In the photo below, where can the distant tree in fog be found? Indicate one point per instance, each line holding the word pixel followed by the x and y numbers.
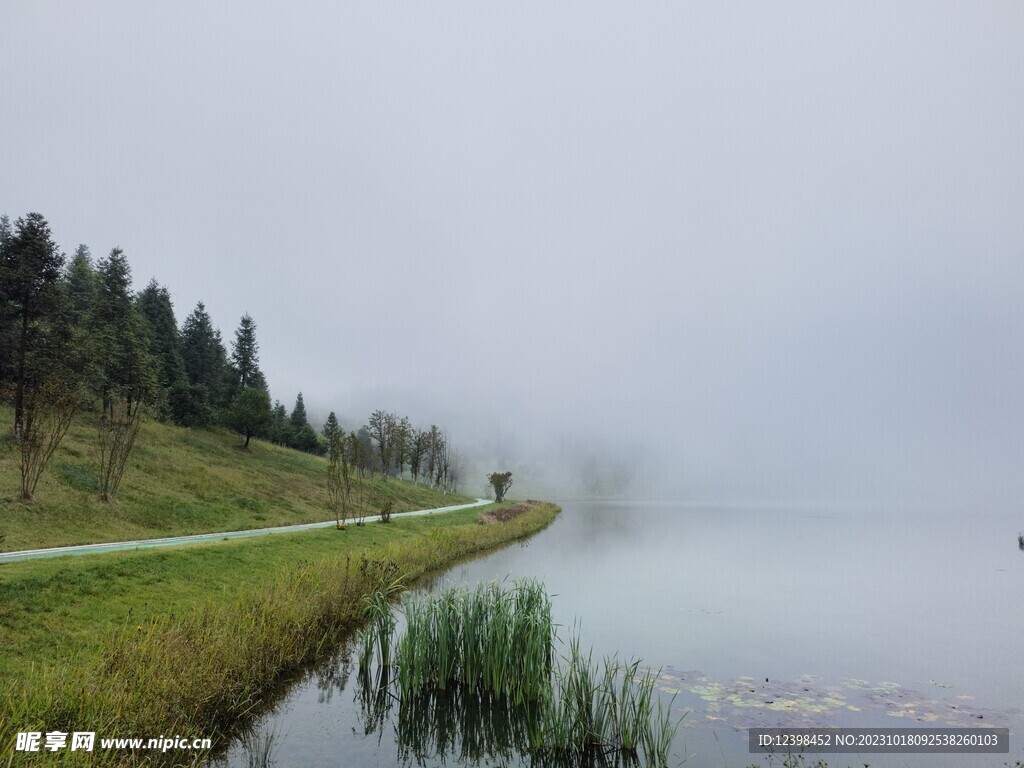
pixel 381 427
pixel 500 482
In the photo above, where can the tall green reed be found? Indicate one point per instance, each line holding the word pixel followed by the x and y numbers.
pixel 497 641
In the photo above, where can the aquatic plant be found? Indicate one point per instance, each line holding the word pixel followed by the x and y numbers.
pixel 470 650
pixel 380 625
pixel 495 639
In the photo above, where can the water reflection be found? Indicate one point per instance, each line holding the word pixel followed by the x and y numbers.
pixel 375 698
pixel 462 725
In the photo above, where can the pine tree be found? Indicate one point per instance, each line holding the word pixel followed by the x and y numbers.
pixel 127 376
pixel 302 436
pixel 280 426
pixel 206 365
pixel 8 325
pixel 127 368
pixel 331 428
pixel 245 357
pixel 299 419
pixel 80 279
pixel 250 413
pixel 306 440
pixel 156 306
pixel 30 268
pixel 50 352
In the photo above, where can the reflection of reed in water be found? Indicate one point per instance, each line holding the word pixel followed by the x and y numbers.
pixel 332 675
pixel 375 700
pixel 260 746
pixel 462 724
pixel 469 727
pixel 476 679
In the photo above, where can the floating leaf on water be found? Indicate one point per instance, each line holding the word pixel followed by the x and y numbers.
pixel 711 692
pixel 853 682
pixel 899 713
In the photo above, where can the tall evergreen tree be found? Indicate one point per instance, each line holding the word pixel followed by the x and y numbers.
pixel 331 428
pixel 127 375
pixel 8 326
pixel 30 268
pixel 127 368
pixel 303 436
pixel 280 426
pixel 50 368
pixel 206 365
pixel 156 306
pixel 299 419
pixel 80 279
pixel 245 358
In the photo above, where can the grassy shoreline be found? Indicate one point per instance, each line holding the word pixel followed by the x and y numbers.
pixel 179 482
pixel 189 641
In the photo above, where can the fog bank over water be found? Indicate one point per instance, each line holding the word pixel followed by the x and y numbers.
pixel 769 252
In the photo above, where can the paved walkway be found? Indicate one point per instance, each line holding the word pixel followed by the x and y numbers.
pixel 91 549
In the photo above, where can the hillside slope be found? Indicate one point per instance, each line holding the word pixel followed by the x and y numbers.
pixel 179 481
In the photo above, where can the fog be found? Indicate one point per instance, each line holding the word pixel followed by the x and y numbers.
pixel 721 252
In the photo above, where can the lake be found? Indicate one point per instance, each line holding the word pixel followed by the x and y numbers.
pixel 755 616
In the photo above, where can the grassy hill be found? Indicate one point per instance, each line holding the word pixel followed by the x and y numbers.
pixel 179 481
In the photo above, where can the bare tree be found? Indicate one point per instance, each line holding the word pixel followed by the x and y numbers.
pixel 357 497
pixel 117 432
pixel 47 412
pixel 339 476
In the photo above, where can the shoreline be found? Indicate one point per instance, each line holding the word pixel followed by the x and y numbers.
pixel 205 661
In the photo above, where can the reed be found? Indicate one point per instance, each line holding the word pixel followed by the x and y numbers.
pixel 496 644
pixel 380 620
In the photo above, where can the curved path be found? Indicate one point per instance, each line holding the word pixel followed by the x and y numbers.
pixel 90 549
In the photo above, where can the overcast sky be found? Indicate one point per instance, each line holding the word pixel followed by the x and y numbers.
pixel 776 250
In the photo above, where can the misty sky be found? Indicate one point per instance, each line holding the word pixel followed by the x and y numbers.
pixel 756 250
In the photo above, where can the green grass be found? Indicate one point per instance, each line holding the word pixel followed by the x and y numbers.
pixel 178 482
pixel 191 640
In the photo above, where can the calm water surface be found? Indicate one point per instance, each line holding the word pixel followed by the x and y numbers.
pixel 756 616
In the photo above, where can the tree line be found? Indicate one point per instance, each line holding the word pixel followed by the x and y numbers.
pixel 75 338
